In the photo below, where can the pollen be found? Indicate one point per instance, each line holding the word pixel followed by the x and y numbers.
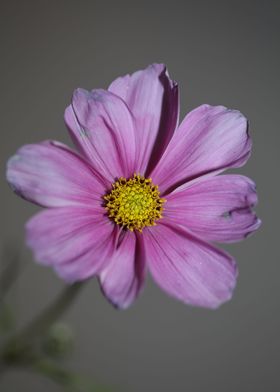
pixel 134 203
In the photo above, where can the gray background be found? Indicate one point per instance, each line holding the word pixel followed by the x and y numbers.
pixel 220 53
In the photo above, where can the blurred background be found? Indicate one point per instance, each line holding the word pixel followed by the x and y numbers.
pixel 220 52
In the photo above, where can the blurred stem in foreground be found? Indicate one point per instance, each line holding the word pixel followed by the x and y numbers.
pixel 41 343
pixel 21 349
pixel 40 324
pixel 19 346
pixel 72 382
pixel 9 270
pixel 7 318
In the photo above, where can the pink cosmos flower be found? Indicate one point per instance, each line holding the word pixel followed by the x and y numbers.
pixel 141 193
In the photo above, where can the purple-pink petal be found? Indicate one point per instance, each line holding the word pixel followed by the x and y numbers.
pixel 216 208
pixel 52 175
pixel 188 268
pixel 103 130
pixel 123 278
pixel 209 140
pixel 77 241
pixel 152 97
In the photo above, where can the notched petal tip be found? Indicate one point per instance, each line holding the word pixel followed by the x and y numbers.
pixel 13 172
pixel 80 92
pixel 254 227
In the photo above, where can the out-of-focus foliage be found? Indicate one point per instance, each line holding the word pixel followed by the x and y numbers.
pixel 42 345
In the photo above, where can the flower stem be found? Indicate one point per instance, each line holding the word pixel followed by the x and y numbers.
pixel 18 348
pixel 40 324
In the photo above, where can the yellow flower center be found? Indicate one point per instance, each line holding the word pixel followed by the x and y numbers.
pixel 134 203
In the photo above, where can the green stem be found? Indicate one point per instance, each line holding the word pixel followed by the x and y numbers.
pixel 40 324
pixel 59 375
pixel 9 273
pixel 17 349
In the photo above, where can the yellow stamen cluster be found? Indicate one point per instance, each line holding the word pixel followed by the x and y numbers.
pixel 134 203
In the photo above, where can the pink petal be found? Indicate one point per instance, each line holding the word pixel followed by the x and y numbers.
pixel 123 278
pixel 52 175
pixel 76 241
pixel 103 130
pixel 209 140
pixel 216 209
pixel 187 268
pixel 153 99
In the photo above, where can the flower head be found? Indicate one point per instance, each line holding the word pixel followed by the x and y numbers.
pixel 134 203
pixel 142 192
